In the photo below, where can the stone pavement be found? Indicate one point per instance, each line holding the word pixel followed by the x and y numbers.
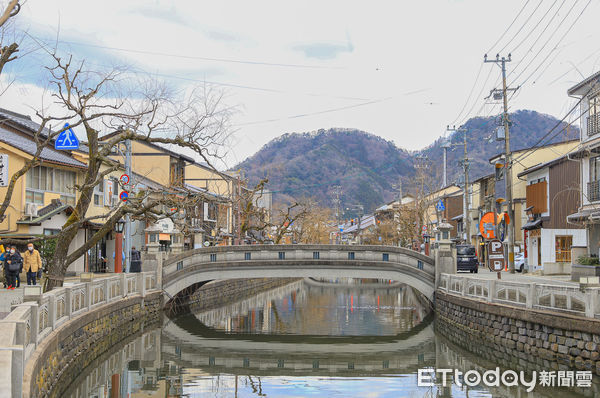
pixel 485 273
pixel 11 297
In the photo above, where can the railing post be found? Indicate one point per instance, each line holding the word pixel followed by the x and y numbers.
pixel 463 287
pixel 590 302
pixel 35 320
pixel 530 299
pixel 123 284
pixel 68 304
pixel 105 287
pixel 491 290
pixel 52 310
pixel 141 280
pixel 88 295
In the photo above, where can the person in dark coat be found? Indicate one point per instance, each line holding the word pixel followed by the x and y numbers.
pixel 136 260
pixel 3 257
pixel 14 265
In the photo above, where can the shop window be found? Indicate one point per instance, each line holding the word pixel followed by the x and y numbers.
pixel 563 248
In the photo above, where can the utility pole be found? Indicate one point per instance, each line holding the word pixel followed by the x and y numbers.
pixel 445 180
pixel 398 209
pixel 129 187
pixel 466 198
pixel 337 201
pixel 421 165
pixel 507 161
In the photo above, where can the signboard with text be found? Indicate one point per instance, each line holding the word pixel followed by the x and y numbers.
pixel 496 257
pixel 4 170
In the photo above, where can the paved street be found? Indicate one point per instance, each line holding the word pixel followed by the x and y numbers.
pixel 485 273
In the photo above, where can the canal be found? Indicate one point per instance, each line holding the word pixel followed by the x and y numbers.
pixel 315 338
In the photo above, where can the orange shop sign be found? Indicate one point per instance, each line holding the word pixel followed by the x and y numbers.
pixel 487 226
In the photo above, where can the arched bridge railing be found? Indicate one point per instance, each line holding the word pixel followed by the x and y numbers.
pixel 363 257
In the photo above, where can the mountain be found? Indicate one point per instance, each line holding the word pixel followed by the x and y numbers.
pixel 368 167
pixel 310 164
pixel 527 128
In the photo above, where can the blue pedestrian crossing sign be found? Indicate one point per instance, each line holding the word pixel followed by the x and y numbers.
pixel 67 139
pixel 440 205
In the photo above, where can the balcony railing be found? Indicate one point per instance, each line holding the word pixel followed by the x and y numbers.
pixel 593 191
pixel 593 124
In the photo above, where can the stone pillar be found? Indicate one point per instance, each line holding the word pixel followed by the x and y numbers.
pixel 445 255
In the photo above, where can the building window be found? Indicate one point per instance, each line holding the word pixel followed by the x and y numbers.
pixel 563 248
pixel 385 257
pixel 350 255
pixel 213 257
pixel 316 255
pixel 282 255
pixel 42 179
pixel 98 200
pixel 152 238
pixel 248 256
pixel 593 120
pixel 419 264
pixel 34 197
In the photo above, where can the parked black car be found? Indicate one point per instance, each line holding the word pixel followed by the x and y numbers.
pixel 466 259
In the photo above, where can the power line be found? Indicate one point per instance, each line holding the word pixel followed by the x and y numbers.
pixel 313 113
pixel 550 38
pixel 509 26
pixel 559 41
pixel 193 57
pixel 522 26
pixel 536 25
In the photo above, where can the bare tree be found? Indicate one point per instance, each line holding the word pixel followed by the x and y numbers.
pixel 8 51
pixel 316 224
pixel 111 107
pixel 259 226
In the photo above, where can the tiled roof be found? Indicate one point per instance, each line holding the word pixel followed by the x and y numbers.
pixel 48 154
pixel 22 120
pixel 46 212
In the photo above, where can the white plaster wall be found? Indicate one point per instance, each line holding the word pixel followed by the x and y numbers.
pixel 548 241
pixel 585 178
pixel 56 222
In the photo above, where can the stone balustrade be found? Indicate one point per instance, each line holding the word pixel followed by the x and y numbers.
pixel 561 298
pixel 31 322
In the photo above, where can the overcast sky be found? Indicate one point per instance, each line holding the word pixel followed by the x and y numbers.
pixel 398 69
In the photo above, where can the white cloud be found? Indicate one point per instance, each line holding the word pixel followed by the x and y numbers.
pixel 395 48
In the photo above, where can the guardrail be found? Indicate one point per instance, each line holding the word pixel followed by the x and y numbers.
pixel 560 298
pixel 30 322
pixel 291 253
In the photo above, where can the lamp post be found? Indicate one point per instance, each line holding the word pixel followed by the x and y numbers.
pixel 119 226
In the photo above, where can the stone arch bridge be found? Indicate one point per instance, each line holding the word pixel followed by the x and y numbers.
pixel 188 271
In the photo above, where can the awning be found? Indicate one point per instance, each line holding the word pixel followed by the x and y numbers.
pixel 584 215
pixel 164 236
pixel 457 218
pixel 535 224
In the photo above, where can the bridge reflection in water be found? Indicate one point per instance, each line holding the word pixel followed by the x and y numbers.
pixel 273 344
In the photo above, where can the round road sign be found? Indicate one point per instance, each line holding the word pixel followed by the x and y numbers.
pixel 124 179
pixel 124 196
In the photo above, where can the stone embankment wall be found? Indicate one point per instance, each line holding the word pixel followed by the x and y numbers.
pixel 219 293
pixel 69 349
pixel 516 337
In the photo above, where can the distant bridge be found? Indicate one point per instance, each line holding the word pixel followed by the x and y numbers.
pixel 195 267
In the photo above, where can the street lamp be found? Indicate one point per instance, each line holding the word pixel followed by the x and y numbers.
pixel 119 226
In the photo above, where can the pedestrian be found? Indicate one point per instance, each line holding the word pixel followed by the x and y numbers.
pixel 3 257
pixel 14 264
pixel 32 263
pixel 136 261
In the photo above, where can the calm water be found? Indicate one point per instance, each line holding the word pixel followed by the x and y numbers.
pixel 343 338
